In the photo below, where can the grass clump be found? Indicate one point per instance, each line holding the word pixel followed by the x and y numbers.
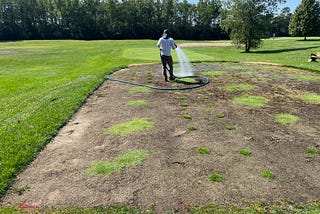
pixel 305 77
pixel 229 127
pixel 286 119
pixel 186 116
pixel 215 177
pixel 106 168
pixel 135 125
pixel 213 73
pixel 192 128
pixel 245 152
pixel 312 150
pixel 203 151
pixel 252 101
pixel 137 103
pixel 139 89
pixel 184 105
pixel 312 98
pixel 268 174
pixel 239 87
pixel 220 116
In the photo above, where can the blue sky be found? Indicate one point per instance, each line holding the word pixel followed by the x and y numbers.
pixel 290 3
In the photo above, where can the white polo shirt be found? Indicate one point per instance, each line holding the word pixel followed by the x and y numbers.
pixel 165 46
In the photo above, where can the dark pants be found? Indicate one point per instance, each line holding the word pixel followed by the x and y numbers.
pixel 167 60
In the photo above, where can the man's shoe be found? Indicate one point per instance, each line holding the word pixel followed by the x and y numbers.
pixel 172 78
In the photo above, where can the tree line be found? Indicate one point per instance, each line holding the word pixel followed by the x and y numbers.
pixel 244 21
pixel 108 19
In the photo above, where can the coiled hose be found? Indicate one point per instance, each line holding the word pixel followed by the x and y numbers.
pixel 203 80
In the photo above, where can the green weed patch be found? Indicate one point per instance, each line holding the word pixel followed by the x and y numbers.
pixel 268 174
pixel 203 151
pixel 137 103
pixel 139 89
pixel 106 168
pixel 305 77
pixel 286 119
pixel 186 116
pixel 312 98
pixel 192 128
pixel 135 125
pixel 238 87
pixel 313 150
pixel 245 152
pixel 215 177
pixel 252 101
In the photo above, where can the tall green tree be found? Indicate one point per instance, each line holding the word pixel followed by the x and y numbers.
pixel 248 21
pixel 207 15
pixel 305 21
pixel 280 23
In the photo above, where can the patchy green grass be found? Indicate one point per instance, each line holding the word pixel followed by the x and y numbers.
pixel 313 150
pixel 55 78
pixel 286 119
pixel 252 101
pixel 186 116
pixel 134 103
pixel 139 89
pixel 312 98
pixel 214 73
pixel 106 168
pixel 245 152
pixel 305 77
pixel 268 174
pixel 215 177
pixel 181 98
pixel 133 126
pixel 203 151
pixel 184 105
pixel 238 87
pixel 192 128
pixel 220 116
pixel 229 127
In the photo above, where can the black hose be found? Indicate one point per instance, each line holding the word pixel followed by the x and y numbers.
pixel 197 85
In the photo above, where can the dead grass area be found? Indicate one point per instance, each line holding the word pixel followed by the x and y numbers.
pixel 175 174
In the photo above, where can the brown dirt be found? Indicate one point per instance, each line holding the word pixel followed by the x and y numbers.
pixel 175 174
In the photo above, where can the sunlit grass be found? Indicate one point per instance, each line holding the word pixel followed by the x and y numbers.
pixel 286 119
pixel 252 101
pixel 133 126
pixel 135 103
pixel 312 98
pixel 106 168
pixel 139 89
pixel 42 83
pixel 238 87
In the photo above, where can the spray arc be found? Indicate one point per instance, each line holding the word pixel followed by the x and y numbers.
pixel 185 71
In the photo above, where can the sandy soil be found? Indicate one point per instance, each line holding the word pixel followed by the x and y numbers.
pixel 175 175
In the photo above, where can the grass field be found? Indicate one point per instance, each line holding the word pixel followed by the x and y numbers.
pixel 42 83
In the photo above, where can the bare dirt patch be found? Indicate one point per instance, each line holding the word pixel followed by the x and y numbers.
pixel 175 174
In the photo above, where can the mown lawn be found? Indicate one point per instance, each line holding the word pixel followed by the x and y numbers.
pixel 42 83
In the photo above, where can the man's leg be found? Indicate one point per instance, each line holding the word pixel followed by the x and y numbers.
pixel 170 62
pixel 164 70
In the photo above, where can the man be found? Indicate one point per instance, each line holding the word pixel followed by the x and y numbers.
pixel 165 44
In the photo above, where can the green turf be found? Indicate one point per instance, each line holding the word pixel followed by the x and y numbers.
pixel 312 98
pixel 42 83
pixel 252 101
pixel 106 168
pixel 286 119
pixel 133 126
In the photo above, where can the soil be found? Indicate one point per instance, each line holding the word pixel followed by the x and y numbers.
pixel 175 175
